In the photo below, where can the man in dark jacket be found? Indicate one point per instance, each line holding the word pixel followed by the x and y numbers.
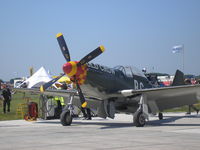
pixel 7 98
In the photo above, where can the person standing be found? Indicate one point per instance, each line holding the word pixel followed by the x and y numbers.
pixel 7 98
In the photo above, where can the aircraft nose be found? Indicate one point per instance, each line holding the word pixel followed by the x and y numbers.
pixel 70 68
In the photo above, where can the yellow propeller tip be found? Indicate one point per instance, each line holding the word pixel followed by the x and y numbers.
pixel 41 89
pixel 84 104
pixel 59 34
pixel 102 48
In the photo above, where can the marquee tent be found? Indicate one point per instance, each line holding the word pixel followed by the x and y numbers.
pixel 38 78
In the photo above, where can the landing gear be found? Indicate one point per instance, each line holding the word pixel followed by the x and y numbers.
pixel 140 116
pixel 139 119
pixel 160 116
pixel 66 115
pixel 66 118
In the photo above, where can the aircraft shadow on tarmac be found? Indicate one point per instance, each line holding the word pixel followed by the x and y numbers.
pixel 104 125
pixel 170 121
pixel 167 121
pixel 48 122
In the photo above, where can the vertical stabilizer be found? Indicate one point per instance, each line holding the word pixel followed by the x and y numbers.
pixel 178 78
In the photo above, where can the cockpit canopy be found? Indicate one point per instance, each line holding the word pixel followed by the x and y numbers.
pixel 130 71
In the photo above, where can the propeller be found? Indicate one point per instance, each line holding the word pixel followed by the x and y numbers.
pixel 81 96
pixel 63 46
pixel 72 68
pixel 91 55
pixel 50 83
pixel 65 52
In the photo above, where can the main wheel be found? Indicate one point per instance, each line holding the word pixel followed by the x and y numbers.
pixel 139 119
pixel 66 118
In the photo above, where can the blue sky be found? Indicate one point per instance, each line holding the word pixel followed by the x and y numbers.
pixel 140 33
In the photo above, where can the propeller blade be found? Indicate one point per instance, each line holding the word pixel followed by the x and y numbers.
pixel 91 55
pixel 50 83
pixel 81 96
pixel 63 46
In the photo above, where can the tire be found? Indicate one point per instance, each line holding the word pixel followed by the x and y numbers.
pixel 139 119
pixel 160 116
pixel 66 118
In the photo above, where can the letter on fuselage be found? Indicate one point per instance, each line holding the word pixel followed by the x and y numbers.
pixel 137 85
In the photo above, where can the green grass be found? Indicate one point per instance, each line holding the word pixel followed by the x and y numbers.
pixel 17 98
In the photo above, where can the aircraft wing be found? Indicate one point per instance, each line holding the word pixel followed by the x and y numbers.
pixel 159 99
pixel 63 93
pixel 92 102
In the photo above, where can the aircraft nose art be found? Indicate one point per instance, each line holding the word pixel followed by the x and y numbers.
pixel 73 71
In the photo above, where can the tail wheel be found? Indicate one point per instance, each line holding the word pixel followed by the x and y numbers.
pixel 160 116
pixel 66 118
pixel 139 119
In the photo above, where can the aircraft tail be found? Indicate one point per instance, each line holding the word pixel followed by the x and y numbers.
pixel 178 78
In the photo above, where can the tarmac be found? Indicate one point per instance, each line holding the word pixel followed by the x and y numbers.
pixel 177 131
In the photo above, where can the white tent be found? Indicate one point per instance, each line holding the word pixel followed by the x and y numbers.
pixel 38 78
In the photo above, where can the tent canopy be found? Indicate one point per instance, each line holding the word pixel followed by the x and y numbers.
pixel 38 78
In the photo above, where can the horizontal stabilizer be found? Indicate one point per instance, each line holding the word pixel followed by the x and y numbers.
pixel 178 78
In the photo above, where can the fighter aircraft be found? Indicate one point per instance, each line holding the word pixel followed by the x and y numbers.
pixel 116 90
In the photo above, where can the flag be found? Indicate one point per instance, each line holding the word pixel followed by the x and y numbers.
pixel 177 49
